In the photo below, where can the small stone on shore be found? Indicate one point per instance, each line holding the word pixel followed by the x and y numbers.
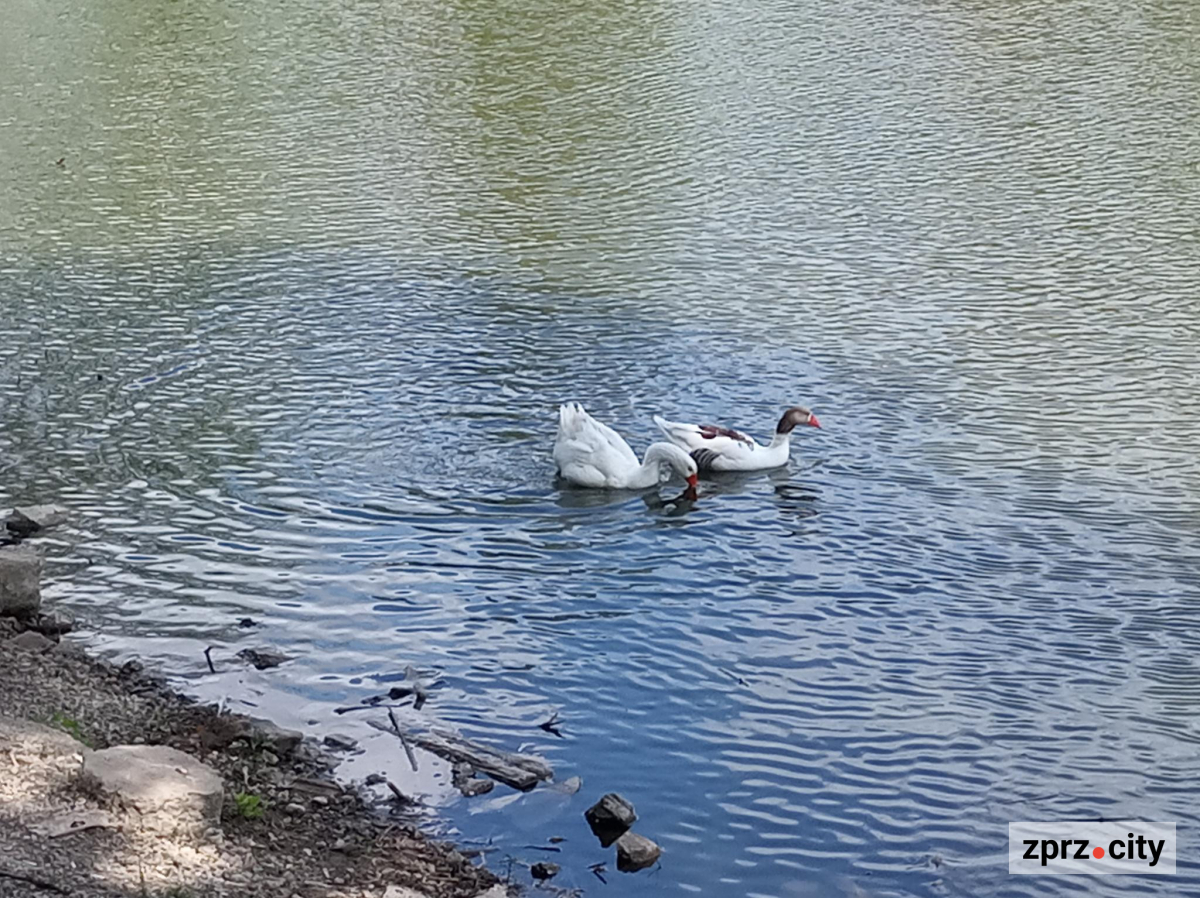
pixel 544 870
pixel 338 742
pixel 32 641
pixel 20 581
pixel 280 740
pixel 29 519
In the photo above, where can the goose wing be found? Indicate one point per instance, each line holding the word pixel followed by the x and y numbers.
pixel 714 448
pixel 588 452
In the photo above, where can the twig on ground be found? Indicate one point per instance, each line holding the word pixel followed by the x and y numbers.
pixel 400 796
pixel 208 658
pixel 34 881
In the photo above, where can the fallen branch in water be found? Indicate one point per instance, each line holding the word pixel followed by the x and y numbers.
pixel 347 708
pixel 519 771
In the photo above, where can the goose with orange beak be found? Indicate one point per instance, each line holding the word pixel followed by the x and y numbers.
pixel 717 448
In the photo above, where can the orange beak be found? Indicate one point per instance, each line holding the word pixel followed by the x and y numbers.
pixel 693 481
pixel 812 420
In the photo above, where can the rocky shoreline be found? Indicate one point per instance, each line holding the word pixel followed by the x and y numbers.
pixel 115 786
pixel 283 825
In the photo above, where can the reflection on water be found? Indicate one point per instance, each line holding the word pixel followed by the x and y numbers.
pixel 289 326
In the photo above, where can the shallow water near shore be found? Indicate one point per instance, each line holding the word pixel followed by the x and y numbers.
pixel 288 327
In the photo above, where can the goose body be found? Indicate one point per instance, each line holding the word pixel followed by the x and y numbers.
pixel 589 453
pixel 723 449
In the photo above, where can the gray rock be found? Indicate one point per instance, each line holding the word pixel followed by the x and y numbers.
pixel 279 739
pixel 569 786
pixel 636 852
pixel 338 742
pixel 263 659
pixel 24 737
pixel 375 779
pixel 20 581
pixel 395 891
pixel 475 786
pixel 171 790
pixel 610 817
pixel 544 870
pixel 40 516
pixel 497 891
pixel 31 641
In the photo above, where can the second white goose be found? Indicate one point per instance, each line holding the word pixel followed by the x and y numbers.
pixel 592 454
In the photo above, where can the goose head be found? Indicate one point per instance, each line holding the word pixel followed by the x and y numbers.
pixel 794 417
pixel 668 455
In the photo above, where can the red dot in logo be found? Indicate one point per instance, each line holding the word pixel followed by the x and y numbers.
pixel 1097 852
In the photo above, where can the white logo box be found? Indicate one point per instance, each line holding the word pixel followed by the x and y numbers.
pixel 1154 855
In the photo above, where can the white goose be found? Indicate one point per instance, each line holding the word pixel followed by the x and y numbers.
pixel 723 449
pixel 592 454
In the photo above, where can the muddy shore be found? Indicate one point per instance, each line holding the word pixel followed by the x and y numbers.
pixel 285 826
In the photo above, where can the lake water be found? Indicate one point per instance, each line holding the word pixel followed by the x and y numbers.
pixel 288 326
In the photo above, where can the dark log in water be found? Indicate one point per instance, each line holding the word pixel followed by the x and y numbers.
pixel 519 771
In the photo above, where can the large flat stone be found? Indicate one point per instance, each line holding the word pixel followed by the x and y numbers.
pixel 170 789
pixel 20 581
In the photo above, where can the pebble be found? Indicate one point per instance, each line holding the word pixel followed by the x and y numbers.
pixel 338 742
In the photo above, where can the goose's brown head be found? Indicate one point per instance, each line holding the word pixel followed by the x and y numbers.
pixel 794 417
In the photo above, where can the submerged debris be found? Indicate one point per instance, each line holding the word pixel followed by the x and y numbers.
pixel 520 771
pixel 263 659
pixel 551 725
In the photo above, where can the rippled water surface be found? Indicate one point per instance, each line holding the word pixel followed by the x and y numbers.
pixel 288 325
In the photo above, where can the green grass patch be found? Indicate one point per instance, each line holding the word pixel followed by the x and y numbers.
pixel 69 725
pixel 249 806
